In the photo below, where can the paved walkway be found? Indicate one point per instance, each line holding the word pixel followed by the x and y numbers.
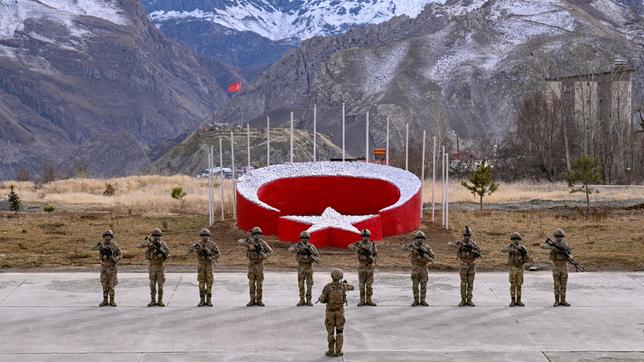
pixel 53 317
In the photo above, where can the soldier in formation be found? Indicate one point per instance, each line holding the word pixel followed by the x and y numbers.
pixel 110 254
pixel 257 250
pixel 517 257
pixel 467 252
pixel 157 253
pixel 420 254
pixel 207 254
pixel 560 255
pixel 334 295
pixel 367 254
pixel 305 254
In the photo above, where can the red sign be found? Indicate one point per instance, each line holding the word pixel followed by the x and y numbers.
pixel 235 87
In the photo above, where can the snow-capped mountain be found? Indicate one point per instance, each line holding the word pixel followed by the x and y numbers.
pixel 93 84
pixel 286 19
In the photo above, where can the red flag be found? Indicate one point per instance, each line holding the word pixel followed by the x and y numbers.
pixel 235 87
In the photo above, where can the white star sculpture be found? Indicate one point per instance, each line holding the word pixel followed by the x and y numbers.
pixel 331 219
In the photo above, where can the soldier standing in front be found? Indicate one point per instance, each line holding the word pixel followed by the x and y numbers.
pixel 467 253
pixel 334 295
pixel 420 255
pixel 367 254
pixel 157 253
pixel 257 250
pixel 207 255
pixel 305 254
pixel 560 255
pixel 110 254
pixel 517 257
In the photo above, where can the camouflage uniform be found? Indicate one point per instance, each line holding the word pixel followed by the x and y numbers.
pixel 517 257
pixel 157 253
pixel 559 268
pixel 467 252
pixel 420 255
pixel 305 255
pixel 207 255
pixel 110 254
pixel 367 254
pixel 334 296
pixel 256 259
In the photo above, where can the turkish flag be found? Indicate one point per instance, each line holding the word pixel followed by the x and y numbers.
pixel 235 87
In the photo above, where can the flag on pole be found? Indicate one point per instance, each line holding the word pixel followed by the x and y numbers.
pixel 235 87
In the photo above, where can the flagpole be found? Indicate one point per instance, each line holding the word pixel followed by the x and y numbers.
pixel 433 177
pixel 221 175
pixel 387 144
pixel 211 196
pixel 407 147
pixel 343 118
pixel 447 191
pixel 443 187
pixel 248 143
pixel 268 140
pixel 232 163
pixel 366 148
pixel 422 177
pixel 315 131
pixel 291 137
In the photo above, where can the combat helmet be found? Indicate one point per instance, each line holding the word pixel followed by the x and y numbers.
pixel 204 232
pixel 108 233
pixel 467 231
pixel 419 235
pixel 336 274
pixel 305 235
pixel 156 232
pixel 559 233
pixel 365 232
pixel 256 231
pixel 515 236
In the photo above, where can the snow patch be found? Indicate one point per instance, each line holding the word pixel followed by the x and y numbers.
pixel 407 182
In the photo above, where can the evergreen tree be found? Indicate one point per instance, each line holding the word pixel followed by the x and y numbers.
pixel 14 200
pixel 481 182
pixel 584 171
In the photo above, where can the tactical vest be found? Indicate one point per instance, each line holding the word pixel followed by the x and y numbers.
pixel 209 246
pixel 558 256
pixel 254 255
pixel 337 296
pixel 466 254
pixel 367 254
pixel 106 258
pixel 515 258
pixel 304 255
pixel 155 255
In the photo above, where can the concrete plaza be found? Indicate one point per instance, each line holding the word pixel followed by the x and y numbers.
pixel 54 317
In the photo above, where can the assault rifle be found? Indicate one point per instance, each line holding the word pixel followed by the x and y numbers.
pixel 204 251
pixel 159 248
pixel 106 251
pixel 366 251
pixel 308 251
pixel 424 253
pixel 566 251
pixel 259 248
pixel 470 247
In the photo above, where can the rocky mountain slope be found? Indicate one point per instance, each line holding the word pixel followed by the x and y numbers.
pixel 465 61
pixel 253 34
pixel 93 84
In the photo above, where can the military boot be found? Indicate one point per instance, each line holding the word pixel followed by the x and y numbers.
pixel 362 297
pixel 301 302
pixel 202 299
pixel 331 351
pixel 563 302
pixel 423 301
pixel 369 302
pixel 260 292
pixel 104 302
pixel 339 340
pixel 556 300
pixel 470 302
pixel 153 301
pixel 416 298
pixel 160 299
pixel 308 300
pixel 519 304
pixel 112 301
pixel 209 299
pixel 462 303
pixel 513 302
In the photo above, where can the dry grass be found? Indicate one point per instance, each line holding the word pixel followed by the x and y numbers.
pixel 138 194
pixel 611 240
pixel 524 191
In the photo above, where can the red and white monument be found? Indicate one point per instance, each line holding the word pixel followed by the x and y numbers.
pixel 333 201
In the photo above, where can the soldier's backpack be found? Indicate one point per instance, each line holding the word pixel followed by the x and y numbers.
pixel 336 295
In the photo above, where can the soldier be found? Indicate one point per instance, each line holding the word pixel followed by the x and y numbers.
pixel 110 254
pixel 420 255
pixel 334 295
pixel 257 251
pixel 467 252
pixel 517 257
pixel 157 253
pixel 367 254
pixel 560 255
pixel 207 255
pixel 305 255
